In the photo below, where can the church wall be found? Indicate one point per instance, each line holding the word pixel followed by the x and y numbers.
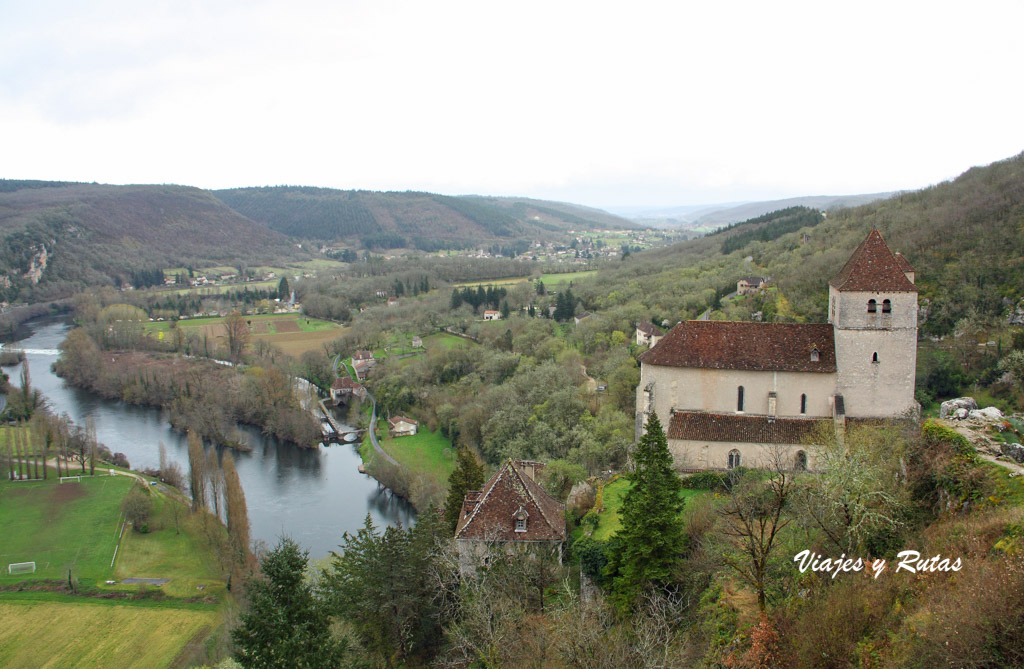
pixel 689 454
pixel 716 390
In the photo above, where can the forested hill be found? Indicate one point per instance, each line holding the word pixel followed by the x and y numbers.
pixel 965 238
pixel 97 234
pixel 414 219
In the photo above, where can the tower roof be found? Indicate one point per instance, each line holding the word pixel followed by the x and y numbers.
pixel 874 268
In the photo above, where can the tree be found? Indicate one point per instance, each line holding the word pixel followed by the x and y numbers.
pixel 650 543
pixel 238 335
pixel 138 507
pixel 196 471
pixel 235 510
pixel 284 291
pixel 468 476
pixel 286 624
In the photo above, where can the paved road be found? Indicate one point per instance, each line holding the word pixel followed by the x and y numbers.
pixel 373 419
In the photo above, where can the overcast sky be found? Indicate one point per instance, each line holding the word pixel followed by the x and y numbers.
pixel 601 103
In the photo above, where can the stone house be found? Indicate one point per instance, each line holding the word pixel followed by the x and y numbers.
pixel 648 334
pixel 344 389
pixel 729 392
pixel 417 341
pixel 582 317
pixel 492 315
pixel 401 426
pixel 513 512
pixel 749 285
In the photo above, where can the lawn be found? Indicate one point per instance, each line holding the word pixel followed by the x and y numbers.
pixel 443 340
pixel 613 494
pixel 61 526
pixel 425 452
pixel 96 633
pixel 494 282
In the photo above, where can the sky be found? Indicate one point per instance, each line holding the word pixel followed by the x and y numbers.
pixel 608 104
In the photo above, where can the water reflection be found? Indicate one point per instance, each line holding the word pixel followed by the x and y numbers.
pixel 313 496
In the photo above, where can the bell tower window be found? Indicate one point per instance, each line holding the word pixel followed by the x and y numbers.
pixel 872 306
pixel 874 357
pixel 886 306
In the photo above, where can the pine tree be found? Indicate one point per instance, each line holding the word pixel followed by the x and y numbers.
pixel 650 543
pixel 284 291
pixel 286 624
pixel 468 476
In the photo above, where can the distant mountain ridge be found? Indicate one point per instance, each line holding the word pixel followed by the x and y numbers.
pixel 393 219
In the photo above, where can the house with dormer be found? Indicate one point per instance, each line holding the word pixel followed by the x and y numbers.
pixel 513 512
pixel 730 392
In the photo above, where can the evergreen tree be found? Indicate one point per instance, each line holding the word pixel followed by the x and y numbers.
pixel 286 625
pixel 284 291
pixel 505 311
pixel 468 476
pixel 650 543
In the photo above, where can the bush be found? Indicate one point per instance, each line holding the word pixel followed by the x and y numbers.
pixel 138 507
pixel 707 481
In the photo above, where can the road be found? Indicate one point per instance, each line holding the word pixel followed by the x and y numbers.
pixel 373 419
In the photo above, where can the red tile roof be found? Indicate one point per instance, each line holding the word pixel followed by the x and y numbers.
pixel 779 347
pixel 345 383
pixel 488 514
pixel 902 261
pixel 700 426
pixel 650 329
pixel 874 268
pixel 363 355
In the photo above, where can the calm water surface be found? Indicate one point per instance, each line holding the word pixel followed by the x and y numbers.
pixel 313 496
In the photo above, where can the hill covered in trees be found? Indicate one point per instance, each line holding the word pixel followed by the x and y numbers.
pixel 409 219
pixel 56 238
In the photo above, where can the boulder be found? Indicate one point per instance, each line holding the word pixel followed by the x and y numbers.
pixel 582 497
pixel 960 414
pixel 1015 451
pixel 987 414
pixel 950 406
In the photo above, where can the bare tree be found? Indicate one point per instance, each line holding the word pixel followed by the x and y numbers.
pixel 236 512
pixel 238 335
pixel 753 517
pixel 215 479
pixel 196 473
pixel 90 432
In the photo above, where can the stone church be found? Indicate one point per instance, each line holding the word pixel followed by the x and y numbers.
pixel 730 392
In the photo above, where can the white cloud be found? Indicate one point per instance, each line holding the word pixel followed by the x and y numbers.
pixel 649 103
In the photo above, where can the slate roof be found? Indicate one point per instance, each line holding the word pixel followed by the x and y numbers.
pixel 400 419
pixel 753 280
pixel 650 329
pixel 487 514
pixel 874 268
pixel 701 426
pixel 778 347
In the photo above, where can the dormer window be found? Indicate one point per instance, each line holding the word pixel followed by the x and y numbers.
pixel 520 517
pixel 886 306
pixel 815 355
pixel 872 306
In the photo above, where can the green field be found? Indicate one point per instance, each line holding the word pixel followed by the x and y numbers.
pixel 261 323
pixel 493 282
pixel 96 633
pixel 612 494
pixel 443 340
pixel 61 526
pixel 425 452
pixel 565 277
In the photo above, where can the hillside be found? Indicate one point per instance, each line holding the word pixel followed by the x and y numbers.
pixel 964 237
pixel 59 237
pixel 422 220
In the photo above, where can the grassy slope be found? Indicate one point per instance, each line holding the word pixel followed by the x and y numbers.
pixel 425 452
pixel 612 494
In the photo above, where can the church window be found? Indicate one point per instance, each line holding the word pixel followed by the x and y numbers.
pixel 739 399
pixel 801 461
pixel 874 357
pixel 734 459
pixel 886 306
pixel 815 355
pixel 872 306
pixel 803 403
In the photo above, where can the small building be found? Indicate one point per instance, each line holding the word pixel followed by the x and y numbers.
pixel 648 334
pixel 582 317
pixel 392 301
pixel 344 389
pixel 417 341
pixel 749 285
pixel 401 426
pixel 511 510
pixel 492 315
pixel 362 355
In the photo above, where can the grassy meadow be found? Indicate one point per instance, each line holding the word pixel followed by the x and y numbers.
pixel 612 495
pixel 294 333
pixel 425 452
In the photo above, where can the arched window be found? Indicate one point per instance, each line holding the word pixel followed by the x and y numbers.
pixel 801 461
pixel 886 306
pixel 874 357
pixel 815 355
pixel 739 399
pixel 734 459
pixel 803 403
pixel 872 306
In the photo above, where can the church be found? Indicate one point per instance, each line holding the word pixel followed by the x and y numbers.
pixel 731 392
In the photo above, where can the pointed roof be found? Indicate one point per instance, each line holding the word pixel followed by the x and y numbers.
pixel 873 267
pixel 488 514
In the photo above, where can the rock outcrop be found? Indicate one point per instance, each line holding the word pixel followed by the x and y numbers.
pixel 949 407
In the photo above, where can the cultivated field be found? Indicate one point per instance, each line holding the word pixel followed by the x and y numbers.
pixel 96 633
pixel 61 526
pixel 294 334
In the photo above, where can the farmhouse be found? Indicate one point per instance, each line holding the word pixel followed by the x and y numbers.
pixel 400 426
pixel 511 510
pixel 648 334
pixel 344 389
pixel 732 391
pixel 582 317
pixel 749 285
pixel 492 315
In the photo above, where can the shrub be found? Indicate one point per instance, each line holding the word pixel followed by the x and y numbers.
pixel 138 507
pixel 706 481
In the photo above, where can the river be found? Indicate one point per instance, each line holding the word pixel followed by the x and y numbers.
pixel 312 496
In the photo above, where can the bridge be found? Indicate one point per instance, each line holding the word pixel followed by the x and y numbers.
pixel 333 430
pixel 31 351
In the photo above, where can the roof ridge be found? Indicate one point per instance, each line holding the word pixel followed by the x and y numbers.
pixel 494 481
pixel 533 496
